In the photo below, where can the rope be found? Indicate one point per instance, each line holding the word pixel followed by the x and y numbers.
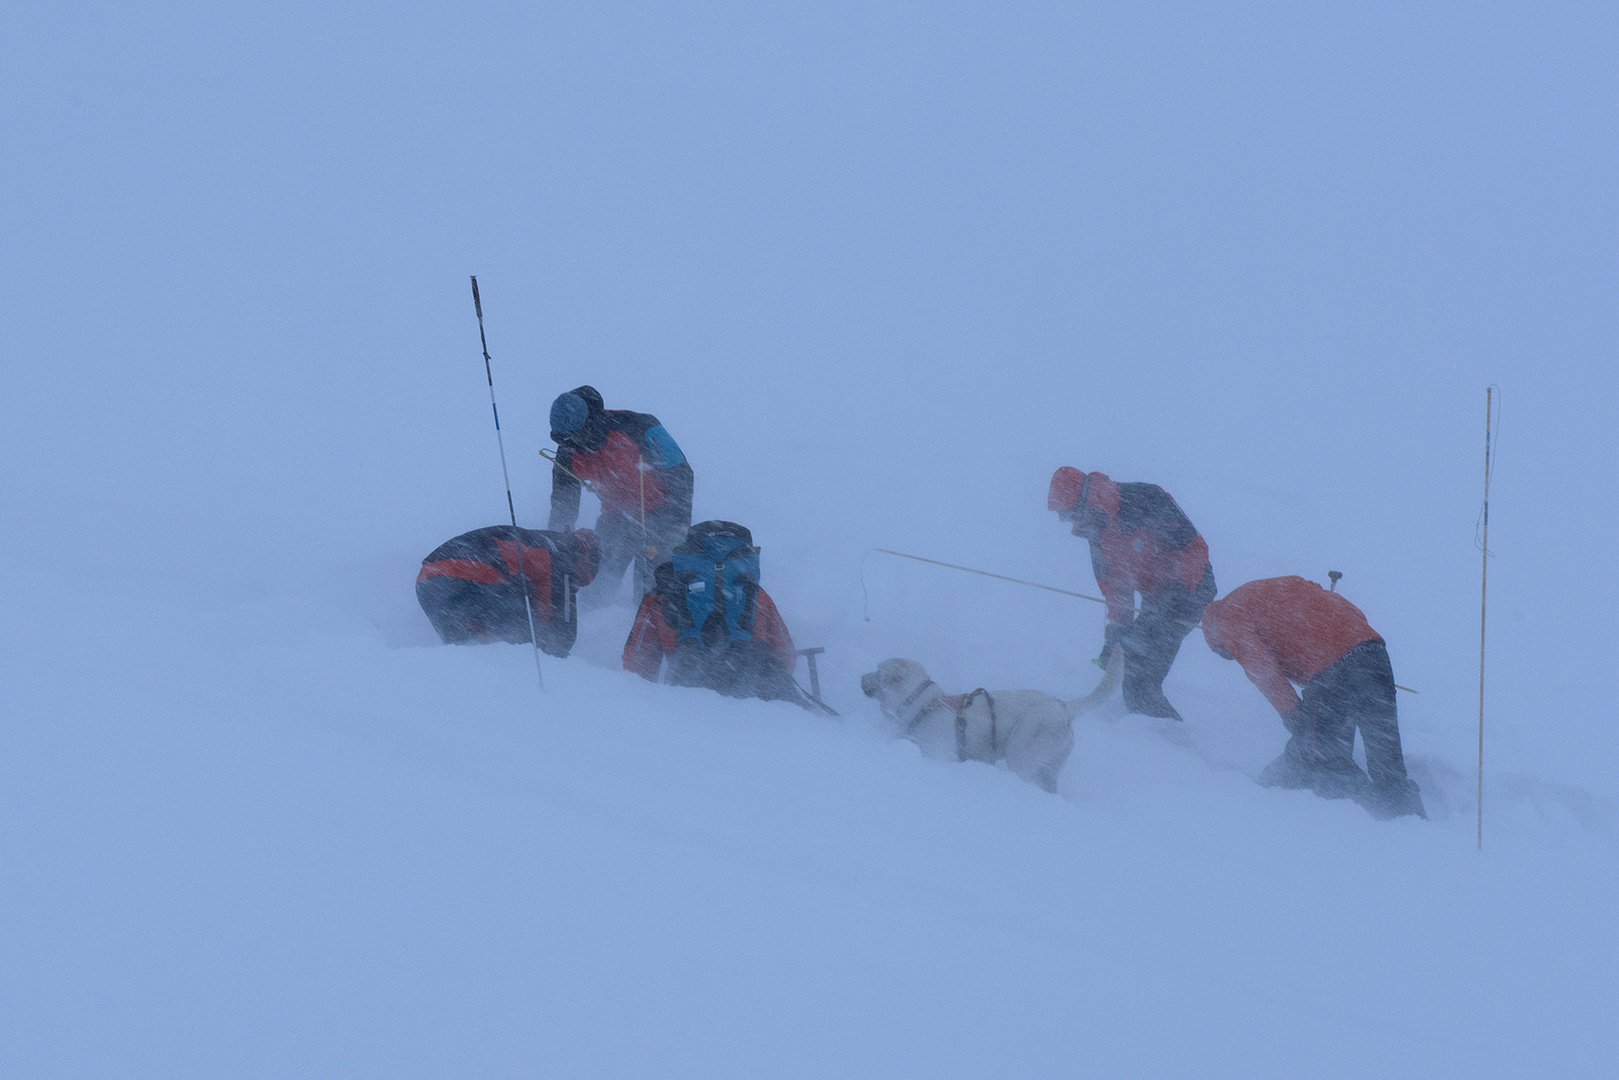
pixel 999 577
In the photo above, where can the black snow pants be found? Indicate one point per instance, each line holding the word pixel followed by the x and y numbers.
pixel 1153 640
pixel 1355 691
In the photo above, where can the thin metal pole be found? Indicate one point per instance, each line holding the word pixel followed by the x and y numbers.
pixel 500 440
pixel 648 552
pixel 999 577
pixel 1483 604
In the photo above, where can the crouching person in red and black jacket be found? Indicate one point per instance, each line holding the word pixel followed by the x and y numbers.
pixel 472 587
pixel 706 621
pixel 1141 542
pixel 1290 630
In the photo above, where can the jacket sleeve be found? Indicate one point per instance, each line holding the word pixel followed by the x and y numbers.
pixel 665 472
pixel 1191 562
pixel 564 493
pixel 1259 664
pixel 677 491
pixel 644 649
pixel 769 629
pixel 1120 594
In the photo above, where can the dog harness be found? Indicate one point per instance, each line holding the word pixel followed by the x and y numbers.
pixel 957 704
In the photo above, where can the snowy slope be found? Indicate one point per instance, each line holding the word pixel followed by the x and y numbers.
pixel 879 274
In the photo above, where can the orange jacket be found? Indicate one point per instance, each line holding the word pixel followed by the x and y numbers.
pixel 651 636
pixel 1282 631
pixel 1142 542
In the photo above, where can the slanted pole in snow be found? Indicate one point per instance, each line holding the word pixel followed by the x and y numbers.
pixel 500 440
pixel 1484 601
pixel 998 577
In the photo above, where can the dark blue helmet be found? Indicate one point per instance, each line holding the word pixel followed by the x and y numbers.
pixel 569 412
pixel 577 418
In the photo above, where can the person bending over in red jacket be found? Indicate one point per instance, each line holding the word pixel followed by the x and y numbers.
pixel 1140 542
pixel 639 473
pixel 1286 631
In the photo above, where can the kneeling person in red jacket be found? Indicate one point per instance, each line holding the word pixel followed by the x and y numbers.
pixel 1140 542
pixel 1289 630
pixel 471 587
pixel 708 618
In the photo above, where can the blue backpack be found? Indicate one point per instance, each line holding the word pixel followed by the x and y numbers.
pixel 709 585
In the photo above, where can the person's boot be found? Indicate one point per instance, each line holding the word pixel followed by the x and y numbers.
pixel 1391 799
pixel 1289 770
pixel 1156 705
pixel 1341 779
pixel 1146 700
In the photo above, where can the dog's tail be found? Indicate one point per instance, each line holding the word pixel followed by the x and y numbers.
pixel 1111 677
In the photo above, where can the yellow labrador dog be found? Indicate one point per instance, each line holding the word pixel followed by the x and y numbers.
pixel 1031 731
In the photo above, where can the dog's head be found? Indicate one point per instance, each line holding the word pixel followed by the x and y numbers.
pixel 894 682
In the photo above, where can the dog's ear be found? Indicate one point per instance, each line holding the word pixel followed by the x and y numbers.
pixel 898 670
pixel 889 672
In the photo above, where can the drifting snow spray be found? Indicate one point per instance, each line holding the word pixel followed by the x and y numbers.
pixel 522 574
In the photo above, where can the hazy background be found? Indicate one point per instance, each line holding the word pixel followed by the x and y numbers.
pixel 879 268
pixel 1265 255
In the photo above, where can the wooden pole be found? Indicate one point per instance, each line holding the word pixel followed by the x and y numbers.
pixel 1483 605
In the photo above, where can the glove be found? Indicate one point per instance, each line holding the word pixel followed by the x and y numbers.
pixel 1113 635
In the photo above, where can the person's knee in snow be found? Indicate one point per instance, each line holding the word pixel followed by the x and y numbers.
pixel 1289 631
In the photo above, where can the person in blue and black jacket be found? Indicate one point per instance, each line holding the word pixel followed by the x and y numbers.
pixel 637 470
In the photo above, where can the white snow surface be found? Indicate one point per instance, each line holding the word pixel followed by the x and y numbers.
pixel 879 268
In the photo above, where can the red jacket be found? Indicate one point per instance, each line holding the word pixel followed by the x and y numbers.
pixel 1284 630
pixel 616 470
pixel 651 637
pixel 1141 541
pixel 491 556
pixel 633 464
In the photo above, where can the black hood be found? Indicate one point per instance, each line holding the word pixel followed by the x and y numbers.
pixel 594 433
